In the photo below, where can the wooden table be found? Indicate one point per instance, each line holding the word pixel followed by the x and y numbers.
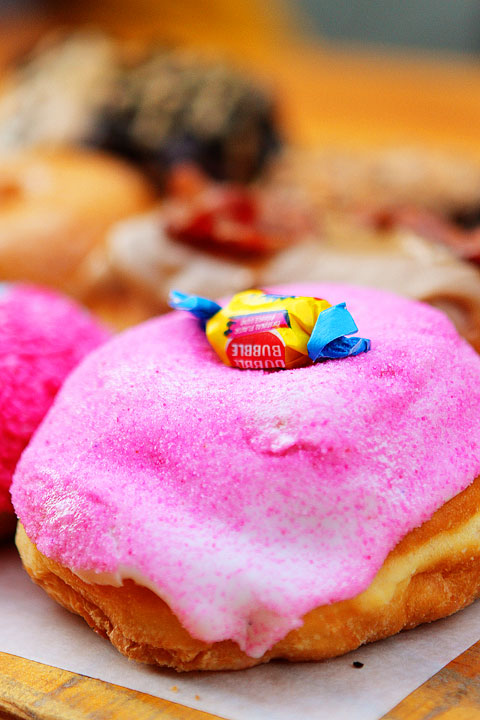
pixel 328 96
pixel 31 691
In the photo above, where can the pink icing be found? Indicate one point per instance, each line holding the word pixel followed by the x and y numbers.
pixel 42 337
pixel 247 498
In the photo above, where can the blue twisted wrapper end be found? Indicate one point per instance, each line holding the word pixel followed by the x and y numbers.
pixel 328 336
pixel 201 308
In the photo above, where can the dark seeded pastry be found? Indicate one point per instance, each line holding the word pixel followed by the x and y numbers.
pixel 156 106
pixel 174 106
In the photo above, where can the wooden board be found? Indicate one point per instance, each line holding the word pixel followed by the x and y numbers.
pixel 451 694
pixel 32 691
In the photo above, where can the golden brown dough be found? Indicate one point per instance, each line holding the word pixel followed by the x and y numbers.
pixel 433 572
pixel 55 209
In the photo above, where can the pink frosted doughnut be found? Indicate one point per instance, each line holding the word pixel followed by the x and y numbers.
pixel 42 337
pixel 247 501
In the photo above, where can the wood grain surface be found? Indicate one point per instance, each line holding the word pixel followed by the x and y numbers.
pixel 329 96
pixel 32 691
pixel 451 694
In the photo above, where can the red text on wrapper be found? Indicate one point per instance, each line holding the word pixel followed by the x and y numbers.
pixel 261 350
pixel 255 323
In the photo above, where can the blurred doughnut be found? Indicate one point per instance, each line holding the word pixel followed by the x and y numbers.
pixel 55 209
pixel 201 242
pixel 383 178
pixel 149 103
pixel 42 337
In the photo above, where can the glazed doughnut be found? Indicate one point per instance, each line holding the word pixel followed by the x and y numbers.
pixel 55 209
pixel 204 517
pixel 42 337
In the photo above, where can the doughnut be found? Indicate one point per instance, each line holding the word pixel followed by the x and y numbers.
pixel 55 209
pixel 205 238
pixel 459 231
pixel 42 337
pixel 148 262
pixel 152 104
pixel 429 179
pixel 389 209
pixel 56 92
pixel 204 517
pixel 396 259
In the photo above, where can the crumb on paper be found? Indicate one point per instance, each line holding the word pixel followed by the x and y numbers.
pixel 357 664
pixel 197 697
pixel 174 688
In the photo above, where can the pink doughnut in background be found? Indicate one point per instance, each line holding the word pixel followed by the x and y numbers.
pixel 42 337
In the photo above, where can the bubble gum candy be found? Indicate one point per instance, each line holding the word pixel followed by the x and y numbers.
pixel 257 330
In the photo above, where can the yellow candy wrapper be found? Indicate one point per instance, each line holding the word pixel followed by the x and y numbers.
pixel 261 331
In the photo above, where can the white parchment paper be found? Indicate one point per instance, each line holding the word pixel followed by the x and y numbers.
pixel 35 627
